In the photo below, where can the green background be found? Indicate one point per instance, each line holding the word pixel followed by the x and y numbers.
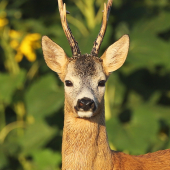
pixel 32 96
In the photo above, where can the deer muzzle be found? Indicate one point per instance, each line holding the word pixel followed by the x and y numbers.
pixel 85 105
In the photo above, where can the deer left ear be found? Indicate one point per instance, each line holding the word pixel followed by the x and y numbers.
pixel 115 55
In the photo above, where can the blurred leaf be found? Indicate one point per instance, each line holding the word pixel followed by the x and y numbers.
pixel 158 23
pixel 138 134
pixel 44 97
pixel 147 48
pixel 9 83
pixel 3 159
pixel 36 136
pixel 46 159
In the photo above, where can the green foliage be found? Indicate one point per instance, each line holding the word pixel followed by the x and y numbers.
pixel 9 83
pixel 41 91
pixel 32 96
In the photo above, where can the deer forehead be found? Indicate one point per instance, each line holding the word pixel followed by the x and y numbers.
pixel 85 68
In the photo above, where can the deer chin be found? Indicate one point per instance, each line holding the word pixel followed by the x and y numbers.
pixel 85 114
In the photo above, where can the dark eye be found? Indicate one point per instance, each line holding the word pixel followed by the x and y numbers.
pixel 102 83
pixel 68 83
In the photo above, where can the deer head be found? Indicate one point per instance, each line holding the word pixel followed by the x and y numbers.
pixel 84 76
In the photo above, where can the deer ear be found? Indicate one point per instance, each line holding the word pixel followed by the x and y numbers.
pixel 115 55
pixel 54 55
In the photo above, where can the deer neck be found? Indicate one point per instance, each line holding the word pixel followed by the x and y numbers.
pixel 85 144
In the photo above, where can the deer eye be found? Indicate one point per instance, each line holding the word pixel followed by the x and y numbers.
pixel 102 83
pixel 68 83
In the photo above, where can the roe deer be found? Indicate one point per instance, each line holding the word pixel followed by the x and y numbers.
pixel 85 144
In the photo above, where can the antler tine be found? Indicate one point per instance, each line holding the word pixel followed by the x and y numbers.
pixel 73 43
pixel 99 39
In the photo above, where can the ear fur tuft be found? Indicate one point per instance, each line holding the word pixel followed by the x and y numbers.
pixel 115 55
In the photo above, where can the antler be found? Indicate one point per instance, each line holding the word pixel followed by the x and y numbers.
pixel 99 39
pixel 73 43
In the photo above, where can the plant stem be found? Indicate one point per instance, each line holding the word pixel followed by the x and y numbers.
pixel 2 116
pixel 10 63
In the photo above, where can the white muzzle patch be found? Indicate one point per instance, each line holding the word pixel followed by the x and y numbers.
pixel 85 114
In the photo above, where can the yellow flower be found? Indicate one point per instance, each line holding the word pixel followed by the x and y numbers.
pixel 15 34
pixel 3 22
pixel 14 44
pixel 27 46
pixel 15 39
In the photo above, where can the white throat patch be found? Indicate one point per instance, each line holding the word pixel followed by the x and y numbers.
pixel 85 114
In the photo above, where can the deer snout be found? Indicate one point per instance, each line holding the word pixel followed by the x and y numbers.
pixel 85 104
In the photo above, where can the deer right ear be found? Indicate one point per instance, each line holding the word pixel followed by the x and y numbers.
pixel 115 55
pixel 54 55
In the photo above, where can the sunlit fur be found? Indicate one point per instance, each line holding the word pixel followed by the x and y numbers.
pixel 84 72
pixel 85 144
pixel 83 152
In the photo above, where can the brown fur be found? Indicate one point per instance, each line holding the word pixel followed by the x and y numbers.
pixel 85 65
pixel 85 147
pixel 85 144
pixel 159 160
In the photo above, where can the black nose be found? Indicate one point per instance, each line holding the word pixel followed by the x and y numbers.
pixel 86 104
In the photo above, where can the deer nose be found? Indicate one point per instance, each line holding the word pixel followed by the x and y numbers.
pixel 86 104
